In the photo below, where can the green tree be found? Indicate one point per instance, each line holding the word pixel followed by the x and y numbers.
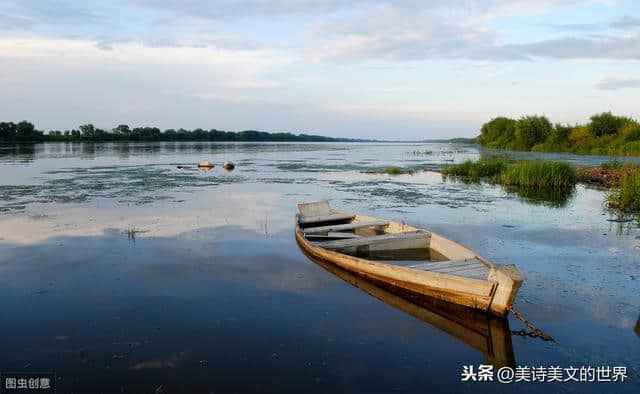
pixel 87 131
pixel 25 131
pixel 606 123
pixel 122 130
pixel 497 133
pixel 531 130
pixel 559 136
pixel 7 131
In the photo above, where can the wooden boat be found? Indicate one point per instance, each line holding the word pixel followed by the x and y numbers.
pixel 405 257
pixel 488 334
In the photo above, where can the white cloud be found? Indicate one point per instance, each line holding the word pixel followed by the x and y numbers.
pixel 616 83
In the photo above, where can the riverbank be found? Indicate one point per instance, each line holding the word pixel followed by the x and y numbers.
pixel 605 134
pixel 603 177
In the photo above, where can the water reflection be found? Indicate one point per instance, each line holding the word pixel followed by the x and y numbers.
pixel 558 198
pixel 550 198
pixel 487 334
pixel 622 223
pixel 18 152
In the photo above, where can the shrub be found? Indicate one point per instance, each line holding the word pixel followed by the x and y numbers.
pixel 579 135
pixel 544 147
pixel 630 148
pixel 631 132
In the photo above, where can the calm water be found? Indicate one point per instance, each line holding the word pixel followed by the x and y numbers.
pixel 213 295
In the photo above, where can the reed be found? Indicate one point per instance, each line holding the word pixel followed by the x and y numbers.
pixel 625 198
pixel 548 175
pixel 477 169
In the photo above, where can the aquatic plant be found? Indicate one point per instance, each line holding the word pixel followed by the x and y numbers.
pixel 132 231
pixel 539 174
pixel 612 164
pixel 486 167
pixel 391 170
pixel 420 152
pixel 625 198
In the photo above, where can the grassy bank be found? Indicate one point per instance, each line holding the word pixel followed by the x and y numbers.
pixel 608 175
pixel 605 134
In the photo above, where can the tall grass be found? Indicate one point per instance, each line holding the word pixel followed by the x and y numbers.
pixel 477 169
pixel 539 174
pixel 625 198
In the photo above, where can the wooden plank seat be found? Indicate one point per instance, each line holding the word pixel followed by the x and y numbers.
pixel 331 235
pixel 343 227
pixel 470 268
pixel 332 217
pixel 374 240
pixel 320 212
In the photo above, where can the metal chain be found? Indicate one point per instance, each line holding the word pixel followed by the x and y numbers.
pixel 535 331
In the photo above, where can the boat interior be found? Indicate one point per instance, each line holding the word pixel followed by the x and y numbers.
pixel 386 241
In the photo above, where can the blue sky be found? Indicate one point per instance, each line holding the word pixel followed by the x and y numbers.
pixel 379 69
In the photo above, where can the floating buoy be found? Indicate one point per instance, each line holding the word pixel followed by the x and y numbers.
pixel 205 164
pixel 227 165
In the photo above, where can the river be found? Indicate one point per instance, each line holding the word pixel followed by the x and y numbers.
pixel 121 272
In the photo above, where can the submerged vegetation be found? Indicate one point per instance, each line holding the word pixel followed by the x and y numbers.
pixel 605 134
pixel 391 171
pixel 26 132
pixel 421 152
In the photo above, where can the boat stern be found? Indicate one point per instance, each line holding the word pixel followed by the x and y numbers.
pixel 509 280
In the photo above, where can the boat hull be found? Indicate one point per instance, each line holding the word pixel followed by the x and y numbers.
pixel 494 295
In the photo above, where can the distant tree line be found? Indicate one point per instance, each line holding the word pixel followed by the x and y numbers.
pixel 605 134
pixel 26 132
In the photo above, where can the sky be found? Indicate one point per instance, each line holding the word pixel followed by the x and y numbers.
pixel 403 69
